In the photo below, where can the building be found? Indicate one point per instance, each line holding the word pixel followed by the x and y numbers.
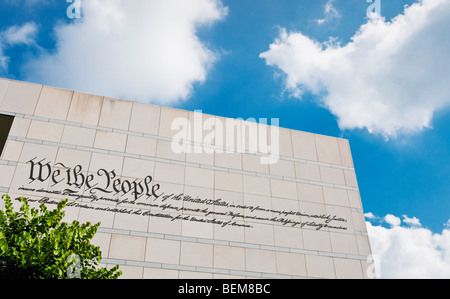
pixel 180 194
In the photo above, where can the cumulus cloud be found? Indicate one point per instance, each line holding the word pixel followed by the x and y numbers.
pixel 3 60
pixel 146 50
pixel 411 221
pixel 392 220
pixel 390 78
pixel 409 252
pixel 370 215
pixel 13 36
pixel 24 34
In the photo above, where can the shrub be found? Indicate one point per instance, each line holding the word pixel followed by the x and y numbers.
pixel 36 244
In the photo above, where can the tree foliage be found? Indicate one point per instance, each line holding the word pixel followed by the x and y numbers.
pixel 36 244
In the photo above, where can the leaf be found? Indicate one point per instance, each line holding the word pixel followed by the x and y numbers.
pixel 39 240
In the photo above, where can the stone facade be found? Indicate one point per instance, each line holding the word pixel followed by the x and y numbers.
pixel 208 212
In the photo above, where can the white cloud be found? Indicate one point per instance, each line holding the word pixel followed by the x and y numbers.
pixel 13 36
pixel 25 34
pixel 3 60
pixel 411 221
pixel 331 13
pixel 447 224
pixel 409 252
pixel 392 220
pixel 143 50
pixel 390 79
pixel 369 215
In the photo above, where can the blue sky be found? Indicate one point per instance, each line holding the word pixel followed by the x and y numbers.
pixel 296 60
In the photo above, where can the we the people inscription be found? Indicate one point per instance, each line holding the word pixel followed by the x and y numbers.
pixel 102 184
pixel 181 200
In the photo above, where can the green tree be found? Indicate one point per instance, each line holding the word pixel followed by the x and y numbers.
pixel 36 244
